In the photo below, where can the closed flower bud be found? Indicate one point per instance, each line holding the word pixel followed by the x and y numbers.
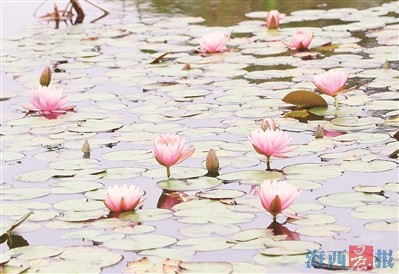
pixel 45 77
pixel 318 133
pixel 86 147
pixel 212 161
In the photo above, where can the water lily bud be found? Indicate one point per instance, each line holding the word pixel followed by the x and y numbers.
pixel 212 161
pixel 386 65
pixel 86 147
pixel 319 133
pixel 268 123
pixel 186 67
pixel 45 77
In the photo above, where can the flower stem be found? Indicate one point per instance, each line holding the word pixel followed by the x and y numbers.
pixel 336 102
pixel 168 171
pixel 267 162
pixel 274 218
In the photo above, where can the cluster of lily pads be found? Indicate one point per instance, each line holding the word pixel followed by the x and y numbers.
pixel 171 149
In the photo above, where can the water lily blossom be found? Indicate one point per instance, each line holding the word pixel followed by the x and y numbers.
pixel 48 101
pixel 268 123
pixel 123 198
pixel 301 40
pixel 331 82
pixel 170 149
pixel 213 42
pixel 277 196
pixel 270 143
pixel 273 19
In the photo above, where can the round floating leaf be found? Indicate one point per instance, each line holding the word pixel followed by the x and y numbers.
pixel 66 267
pixel 181 254
pixel 41 176
pixel 254 177
pixel 74 187
pixel 3 259
pixel 369 189
pixel 207 267
pixel 331 111
pixel 205 244
pixel 349 199
pixel 393 187
pixel 74 164
pixel 251 234
pixel 35 252
pixel 221 194
pixel 370 212
pixel 176 173
pixel 207 230
pixel 322 230
pixel 137 229
pixel 363 137
pixel 189 184
pixel 20 193
pixel 240 267
pixel 128 155
pixel 78 205
pixel 144 215
pixel 312 172
pixel 383 226
pixel 11 156
pixel 141 242
pixel 277 248
pixel 74 216
pixel 214 215
pixel 304 98
pixel 373 166
pixel 97 256
pixel 315 219
pixel 82 234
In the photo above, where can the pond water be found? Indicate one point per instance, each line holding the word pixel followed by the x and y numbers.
pixel 349 182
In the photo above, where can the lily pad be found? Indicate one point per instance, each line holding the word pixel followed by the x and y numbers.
pixel 141 242
pixel 189 184
pixel 253 177
pixel 304 98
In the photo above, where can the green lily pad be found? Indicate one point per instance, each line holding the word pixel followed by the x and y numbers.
pixel 22 193
pixel 207 267
pixel 221 194
pixel 141 242
pixel 206 230
pixel 181 254
pixel 304 98
pixel 383 226
pixel 35 252
pixel 176 173
pixel 393 187
pixel 349 199
pixel 254 177
pixel 315 219
pixel 189 184
pixel 205 244
pixel 143 215
pixel 373 212
pixel 97 256
pixel 312 172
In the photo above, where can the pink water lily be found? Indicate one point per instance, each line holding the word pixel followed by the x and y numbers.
pixel 123 198
pixel 170 149
pixel 268 123
pixel 301 40
pixel 273 19
pixel 331 82
pixel 277 196
pixel 213 42
pixel 47 101
pixel 270 143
